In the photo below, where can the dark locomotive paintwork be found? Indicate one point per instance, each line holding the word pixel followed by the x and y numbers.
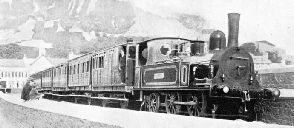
pixel 163 72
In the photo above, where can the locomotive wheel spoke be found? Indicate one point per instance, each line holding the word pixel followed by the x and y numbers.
pixel 171 108
pixel 153 102
pixel 199 108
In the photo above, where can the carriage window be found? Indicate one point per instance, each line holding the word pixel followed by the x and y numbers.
pixel 78 70
pixel 101 62
pixel 70 70
pixel 83 68
pixel 74 69
pixel 88 66
pixel 93 63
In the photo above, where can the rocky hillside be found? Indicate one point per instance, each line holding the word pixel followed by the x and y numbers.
pixel 70 24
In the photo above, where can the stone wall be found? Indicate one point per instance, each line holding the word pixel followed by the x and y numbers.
pixel 276 79
pixel 280 111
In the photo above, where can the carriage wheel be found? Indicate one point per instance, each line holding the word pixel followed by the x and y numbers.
pixel 170 106
pixel 153 102
pixel 201 103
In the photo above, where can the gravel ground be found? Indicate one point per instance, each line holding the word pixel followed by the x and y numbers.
pixel 16 116
pixel 15 113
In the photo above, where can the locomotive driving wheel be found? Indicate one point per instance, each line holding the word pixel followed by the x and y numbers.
pixel 200 104
pixel 154 102
pixel 169 103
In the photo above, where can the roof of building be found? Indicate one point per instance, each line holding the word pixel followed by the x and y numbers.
pixel 12 63
pixel 53 61
pixel 265 42
pixel 56 61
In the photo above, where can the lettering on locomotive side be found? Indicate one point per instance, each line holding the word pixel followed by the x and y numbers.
pixel 158 75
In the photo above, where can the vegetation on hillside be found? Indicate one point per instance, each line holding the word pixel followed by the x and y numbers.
pixel 274 56
pixel 14 51
pixel 251 48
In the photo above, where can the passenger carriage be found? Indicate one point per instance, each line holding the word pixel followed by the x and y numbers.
pixel 79 74
pixel 60 77
pixel 47 80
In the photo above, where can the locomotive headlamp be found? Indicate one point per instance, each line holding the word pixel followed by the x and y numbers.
pixel 276 92
pixel 272 92
pixel 226 89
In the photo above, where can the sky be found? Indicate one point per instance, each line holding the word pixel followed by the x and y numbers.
pixel 270 20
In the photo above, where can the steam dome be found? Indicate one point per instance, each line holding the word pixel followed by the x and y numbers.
pixel 217 40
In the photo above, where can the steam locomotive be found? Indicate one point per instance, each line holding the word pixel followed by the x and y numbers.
pixel 172 75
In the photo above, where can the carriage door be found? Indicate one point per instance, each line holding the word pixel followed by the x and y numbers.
pixel 131 64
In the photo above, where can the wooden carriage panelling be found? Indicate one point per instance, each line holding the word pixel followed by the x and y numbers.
pixel 60 77
pixel 105 70
pixel 47 79
pixel 79 71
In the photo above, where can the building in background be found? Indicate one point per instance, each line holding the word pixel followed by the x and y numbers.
pixel 14 72
pixel 261 62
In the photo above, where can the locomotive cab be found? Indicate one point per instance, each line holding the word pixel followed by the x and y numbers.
pixel 200 76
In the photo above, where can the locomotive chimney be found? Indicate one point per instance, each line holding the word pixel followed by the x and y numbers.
pixel 233 29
